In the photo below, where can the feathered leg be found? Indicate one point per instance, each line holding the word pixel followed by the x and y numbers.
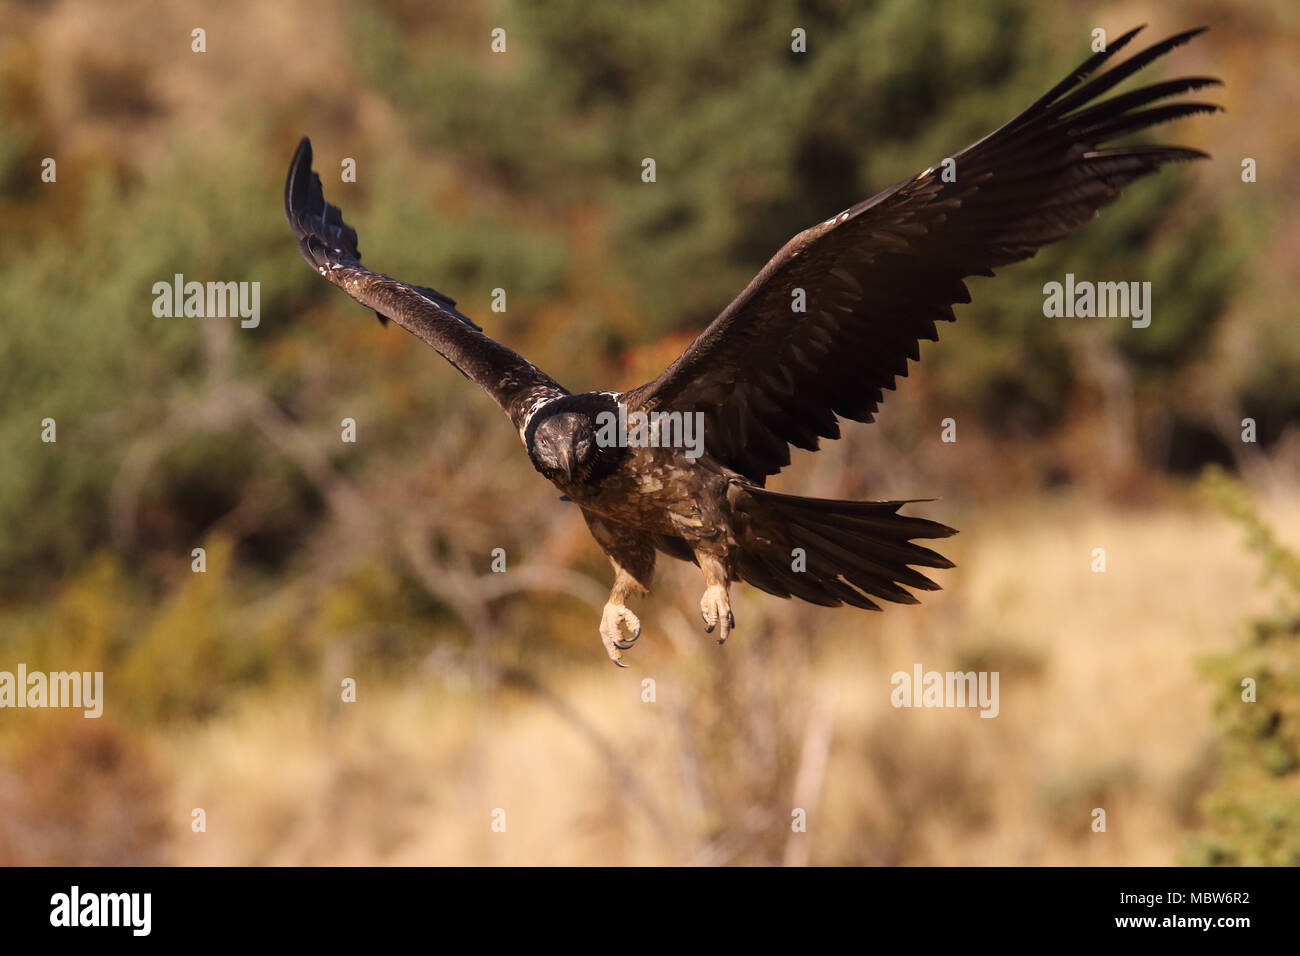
pixel 632 554
pixel 616 613
pixel 715 606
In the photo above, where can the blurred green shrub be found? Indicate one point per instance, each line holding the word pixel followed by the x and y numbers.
pixel 525 174
pixel 1253 813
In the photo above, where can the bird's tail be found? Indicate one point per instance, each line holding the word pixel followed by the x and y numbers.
pixel 835 552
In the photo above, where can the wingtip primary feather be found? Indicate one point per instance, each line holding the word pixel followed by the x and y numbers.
pixel 1080 73
pixel 297 184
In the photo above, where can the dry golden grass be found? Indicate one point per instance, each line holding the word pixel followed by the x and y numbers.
pixel 1100 706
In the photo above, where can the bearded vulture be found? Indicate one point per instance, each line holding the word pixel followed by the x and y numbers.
pixel 763 376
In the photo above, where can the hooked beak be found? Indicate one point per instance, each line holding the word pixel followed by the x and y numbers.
pixel 568 460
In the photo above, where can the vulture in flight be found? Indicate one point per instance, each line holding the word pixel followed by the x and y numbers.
pixel 876 279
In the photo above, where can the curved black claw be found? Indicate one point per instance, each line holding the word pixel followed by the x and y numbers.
pixel 731 620
pixel 619 663
pixel 632 638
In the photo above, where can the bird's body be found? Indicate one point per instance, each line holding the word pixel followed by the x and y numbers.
pixel 829 322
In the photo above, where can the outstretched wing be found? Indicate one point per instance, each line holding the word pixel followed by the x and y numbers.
pixel 330 245
pixel 879 275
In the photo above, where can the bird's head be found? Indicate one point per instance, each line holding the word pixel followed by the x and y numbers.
pixel 564 447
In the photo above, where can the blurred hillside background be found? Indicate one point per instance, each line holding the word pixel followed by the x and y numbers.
pixel 478 691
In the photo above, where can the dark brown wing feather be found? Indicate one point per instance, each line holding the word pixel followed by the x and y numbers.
pixel 878 276
pixel 330 246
